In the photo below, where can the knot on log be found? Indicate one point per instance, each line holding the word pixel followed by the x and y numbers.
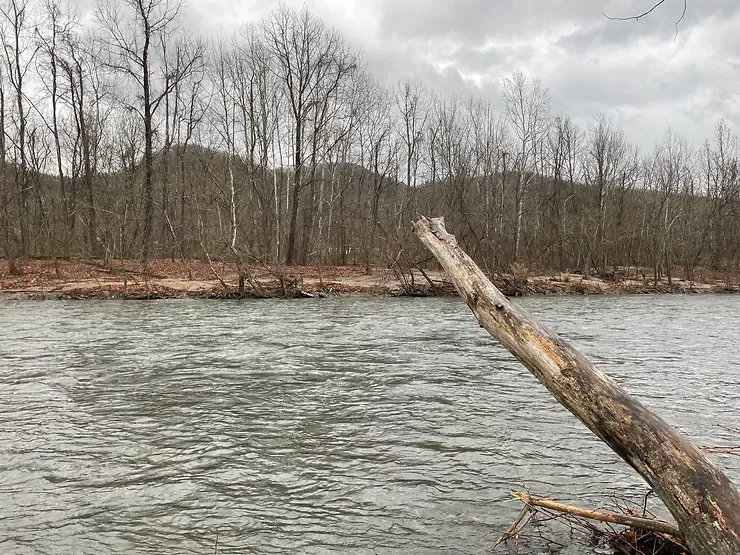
pixel 437 227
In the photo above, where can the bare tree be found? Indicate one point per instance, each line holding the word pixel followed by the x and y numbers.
pixel 187 111
pixel 311 61
pixel 225 120
pixel 20 52
pixel 379 149
pixel 412 104
pixel 184 66
pixel 58 26
pixel 720 163
pixel 88 102
pixel 564 144
pixel 527 106
pixel 134 41
pixel 4 185
pixel 668 175
pixel 258 105
pixel 604 165
pixel 490 140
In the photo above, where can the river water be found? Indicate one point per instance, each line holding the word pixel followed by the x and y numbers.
pixel 329 426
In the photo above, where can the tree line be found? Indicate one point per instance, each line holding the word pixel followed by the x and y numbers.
pixel 123 136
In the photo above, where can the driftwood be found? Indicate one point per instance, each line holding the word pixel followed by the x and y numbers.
pixel 640 536
pixel 704 502
pixel 642 523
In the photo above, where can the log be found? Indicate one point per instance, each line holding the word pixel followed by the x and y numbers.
pixel 642 523
pixel 704 502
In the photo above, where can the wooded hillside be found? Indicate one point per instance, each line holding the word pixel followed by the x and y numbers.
pixel 125 136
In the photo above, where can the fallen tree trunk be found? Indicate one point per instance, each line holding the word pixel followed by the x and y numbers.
pixel 704 502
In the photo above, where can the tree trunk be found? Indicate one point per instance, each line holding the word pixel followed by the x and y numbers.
pixel 69 215
pixel 92 241
pixel 4 197
pixel 704 502
pixel 295 197
pixel 148 151
pixel 21 177
pixel 519 215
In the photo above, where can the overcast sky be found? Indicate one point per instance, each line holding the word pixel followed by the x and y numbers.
pixel 641 74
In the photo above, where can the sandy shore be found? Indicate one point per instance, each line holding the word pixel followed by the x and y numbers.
pixel 86 279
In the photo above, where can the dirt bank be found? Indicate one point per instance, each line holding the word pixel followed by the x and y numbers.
pixel 83 279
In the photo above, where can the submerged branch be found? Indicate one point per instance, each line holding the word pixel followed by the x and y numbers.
pixel 612 518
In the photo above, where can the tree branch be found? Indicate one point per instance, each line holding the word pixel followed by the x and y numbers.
pixel 642 523
pixel 648 12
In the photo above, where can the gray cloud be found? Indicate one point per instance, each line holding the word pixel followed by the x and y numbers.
pixel 639 73
pixel 473 21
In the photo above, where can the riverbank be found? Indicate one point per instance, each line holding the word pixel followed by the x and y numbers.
pixel 126 279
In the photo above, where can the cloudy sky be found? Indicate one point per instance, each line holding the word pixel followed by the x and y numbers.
pixel 643 74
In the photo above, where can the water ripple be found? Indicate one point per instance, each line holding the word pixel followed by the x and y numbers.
pixel 336 426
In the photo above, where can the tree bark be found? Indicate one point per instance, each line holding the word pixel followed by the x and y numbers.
pixel 148 147
pixel 704 502
pixel 92 241
pixel 295 197
pixel 4 197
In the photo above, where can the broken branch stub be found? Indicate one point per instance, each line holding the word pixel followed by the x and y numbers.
pixel 704 502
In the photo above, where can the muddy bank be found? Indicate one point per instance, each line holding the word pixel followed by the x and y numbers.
pixel 127 279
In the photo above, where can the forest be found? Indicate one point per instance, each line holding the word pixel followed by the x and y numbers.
pixel 124 136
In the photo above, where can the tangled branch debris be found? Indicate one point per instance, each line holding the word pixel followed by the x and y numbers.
pixel 633 533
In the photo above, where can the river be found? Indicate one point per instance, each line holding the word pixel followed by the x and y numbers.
pixel 330 426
